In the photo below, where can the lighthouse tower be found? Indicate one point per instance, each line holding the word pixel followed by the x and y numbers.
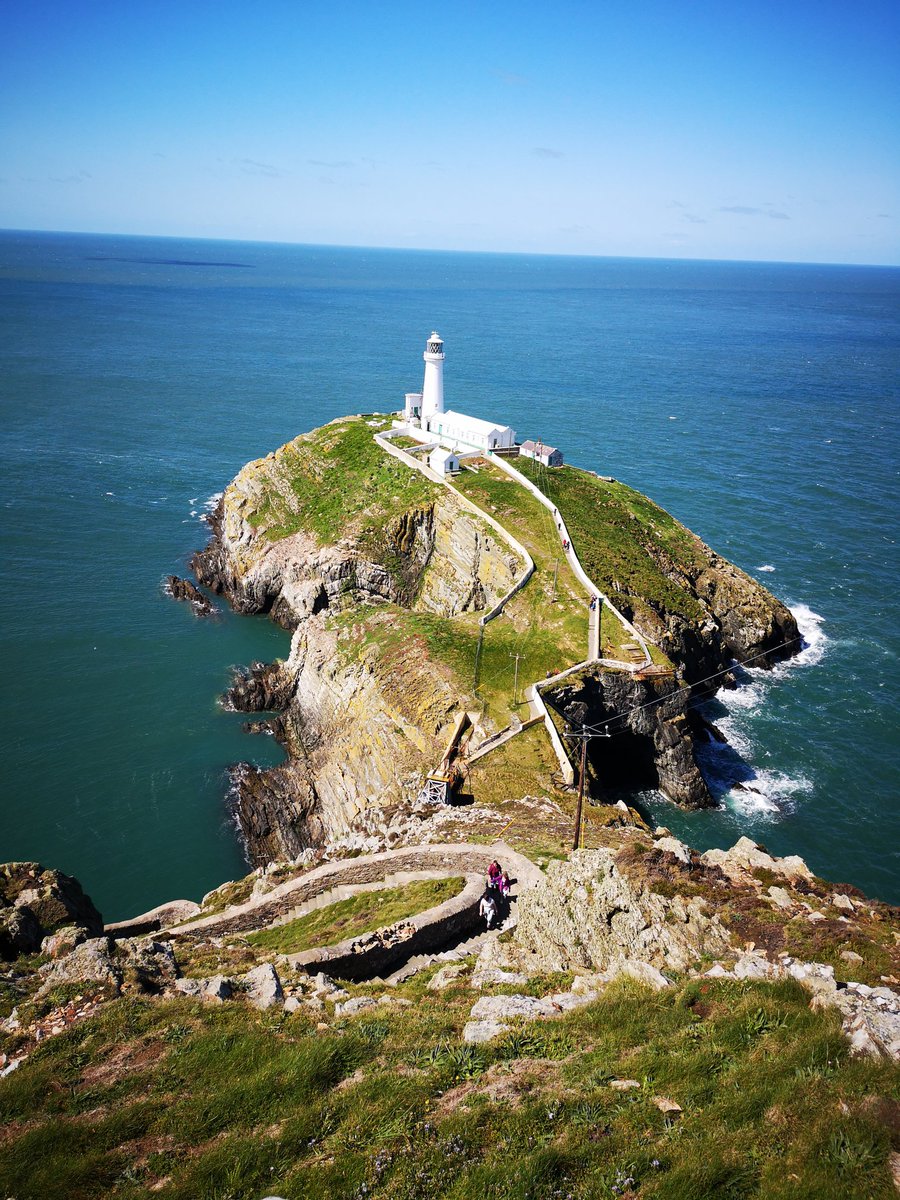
pixel 433 387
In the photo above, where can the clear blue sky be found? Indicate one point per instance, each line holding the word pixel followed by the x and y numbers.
pixel 755 130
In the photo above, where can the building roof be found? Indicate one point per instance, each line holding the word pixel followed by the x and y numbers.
pixel 458 418
pixel 443 454
pixel 532 448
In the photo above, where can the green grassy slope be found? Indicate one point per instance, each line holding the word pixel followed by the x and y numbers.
pixel 337 481
pixel 356 915
pixel 186 1101
pixel 620 537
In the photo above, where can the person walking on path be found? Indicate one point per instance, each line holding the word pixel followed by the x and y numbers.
pixel 493 873
pixel 488 908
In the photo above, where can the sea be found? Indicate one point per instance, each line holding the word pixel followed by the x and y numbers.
pixel 757 402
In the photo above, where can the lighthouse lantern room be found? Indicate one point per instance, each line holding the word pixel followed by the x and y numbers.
pixel 433 387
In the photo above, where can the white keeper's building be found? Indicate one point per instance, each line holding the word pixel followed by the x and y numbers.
pixel 425 410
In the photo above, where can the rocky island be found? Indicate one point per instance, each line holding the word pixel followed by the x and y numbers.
pixel 383 576
pixel 642 1021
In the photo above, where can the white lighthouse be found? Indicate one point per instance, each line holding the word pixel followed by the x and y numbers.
pixel 433 387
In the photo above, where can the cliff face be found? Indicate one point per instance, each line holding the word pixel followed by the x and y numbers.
pixel 363 711
pixel 737 618
pixel 650 740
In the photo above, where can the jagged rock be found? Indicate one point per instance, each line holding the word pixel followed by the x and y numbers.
pixel 263 687
pixel 511 1008
pixel 839 900
pixel 150 966
pixel 450 973
pixel 781 898
pixel 654 745
pixel 145 966
pixel 745 857
pixel 263 987
pixel 493 1015
pixel 752 965
pixel 20 932
pixel 623 1085
pixel 188 987
pixel 642 972
pixel 497 963
pixel 45 900
pixel 864 1041
pixel 64 941
pixel 91 962
pixel 357 1004
pixel 587 913
pixel 673 846
pixel 217 988
pixel 184 589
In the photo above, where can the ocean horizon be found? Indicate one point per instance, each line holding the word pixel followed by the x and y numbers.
pixel 757 402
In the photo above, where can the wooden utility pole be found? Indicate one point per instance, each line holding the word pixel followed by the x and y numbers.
pixel 516 684
pixel 577 839
pixel 584 737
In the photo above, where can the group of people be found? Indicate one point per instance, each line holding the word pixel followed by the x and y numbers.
pixel 495 900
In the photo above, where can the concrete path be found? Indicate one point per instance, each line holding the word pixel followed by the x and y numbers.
pixel 438 859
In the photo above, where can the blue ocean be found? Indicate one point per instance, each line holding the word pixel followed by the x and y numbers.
pixel 757 402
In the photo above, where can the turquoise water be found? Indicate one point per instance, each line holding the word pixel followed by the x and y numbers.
pixel 757 402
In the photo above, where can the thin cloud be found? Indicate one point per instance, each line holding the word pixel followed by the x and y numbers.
pixel 79 178
pixel 251 167
pixel 693 218
pixel 547 152
pixel 334 165
pixel 885 216
pixel 746 210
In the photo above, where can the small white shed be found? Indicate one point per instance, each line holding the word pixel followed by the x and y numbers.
pixel 548 455
pixel 443 461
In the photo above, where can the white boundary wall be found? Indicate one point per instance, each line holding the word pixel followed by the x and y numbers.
pixel 574 562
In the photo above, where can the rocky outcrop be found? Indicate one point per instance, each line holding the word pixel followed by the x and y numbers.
pixel 35 903
pixel 133 965
pixel 184 589
pixel 588 913
pixel 650 741
pixel 438 558
pixel 736 618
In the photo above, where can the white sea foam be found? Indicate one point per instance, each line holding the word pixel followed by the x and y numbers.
pixel 208 507
pixel 767 567
pixel 815 640
pixel 768 792
pixel 730 768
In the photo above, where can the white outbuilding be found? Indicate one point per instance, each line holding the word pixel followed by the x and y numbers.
pixel 471 433
pixel 548 455
pixel 443 461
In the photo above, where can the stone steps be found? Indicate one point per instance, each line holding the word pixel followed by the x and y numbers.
pixel 469 945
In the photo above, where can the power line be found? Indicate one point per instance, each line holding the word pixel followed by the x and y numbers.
pixel 687 687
